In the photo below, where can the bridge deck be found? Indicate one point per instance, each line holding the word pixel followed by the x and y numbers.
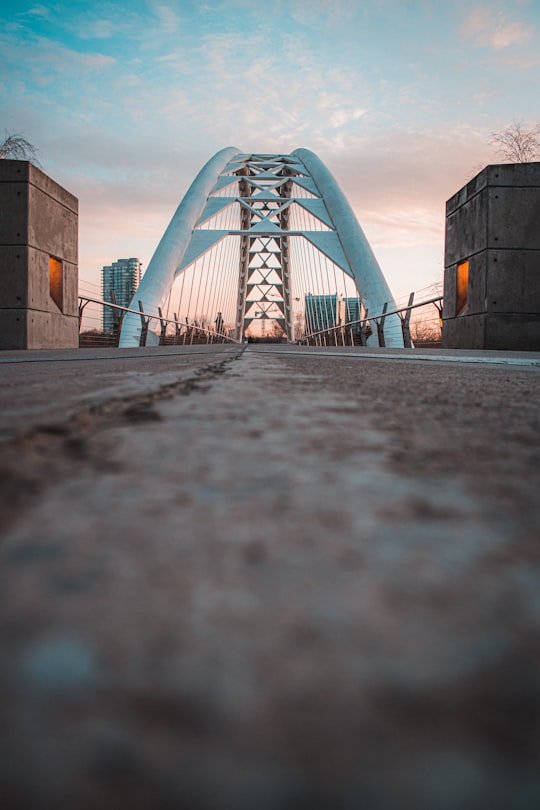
pixel 270 578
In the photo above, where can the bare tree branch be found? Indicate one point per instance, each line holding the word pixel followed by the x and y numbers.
pixel 15 147
pixel 518 145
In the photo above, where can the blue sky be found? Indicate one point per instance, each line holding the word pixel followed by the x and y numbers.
pixel 127 100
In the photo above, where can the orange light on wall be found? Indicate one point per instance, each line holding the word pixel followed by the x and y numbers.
pixel 462 287
pixel 56 282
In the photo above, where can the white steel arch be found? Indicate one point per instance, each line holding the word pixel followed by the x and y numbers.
pixel 368 276
pixel 277 199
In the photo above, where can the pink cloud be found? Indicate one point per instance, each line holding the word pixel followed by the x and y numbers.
pixel 489 29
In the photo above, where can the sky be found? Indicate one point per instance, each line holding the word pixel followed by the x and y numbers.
pixel 126 101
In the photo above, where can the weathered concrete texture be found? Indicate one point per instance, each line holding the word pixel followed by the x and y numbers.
pixel 494 223
pixel 41 389
pixel 296 580
pixel 38 220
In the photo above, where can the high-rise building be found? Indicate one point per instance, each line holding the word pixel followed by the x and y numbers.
pixel 320 312
pixel 323 312
pixel 122 278
pixel 350 311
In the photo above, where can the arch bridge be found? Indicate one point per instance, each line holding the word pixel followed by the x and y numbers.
pixel 265 246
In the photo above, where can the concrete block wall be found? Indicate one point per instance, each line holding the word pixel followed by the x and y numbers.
pixel 38 224
pixel 494 223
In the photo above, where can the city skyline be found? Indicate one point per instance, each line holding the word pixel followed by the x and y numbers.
pixel 126 102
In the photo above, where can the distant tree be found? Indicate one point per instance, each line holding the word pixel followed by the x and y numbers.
pixel 299 325
pixel 15 147
pixel 276 331
pixel 425 333
pixel 517 144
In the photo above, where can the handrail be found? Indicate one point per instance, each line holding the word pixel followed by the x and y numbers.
pixel 362 321
pixel 90 300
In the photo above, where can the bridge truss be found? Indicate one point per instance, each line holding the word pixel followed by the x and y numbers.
pixel 264 245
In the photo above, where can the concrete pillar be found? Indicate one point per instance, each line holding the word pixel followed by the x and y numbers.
pixel 38 260
pixel 492 261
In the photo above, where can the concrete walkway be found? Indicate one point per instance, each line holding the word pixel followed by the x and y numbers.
pixel 270 578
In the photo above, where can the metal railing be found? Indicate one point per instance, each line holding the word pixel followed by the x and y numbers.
pixel 170 331
pixel 356 333
pixel 417 331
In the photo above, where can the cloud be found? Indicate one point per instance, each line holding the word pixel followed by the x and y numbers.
pixel 318 13
pixel 94 61
pixel 43 54
pixel 509 34
pixel 341 117
pixel 161 86
pixel 490 29
pixel 398 182
pixel 39 11
pixel 98 29
pixel 166 16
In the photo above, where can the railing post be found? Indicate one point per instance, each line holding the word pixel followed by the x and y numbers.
pixel 117 317
pixel 380 326
pixel 81 311
pixel 163 329
pixel 363 330
pixel 177 329
pixel 439 310
pixel 406 323
pixel 144 325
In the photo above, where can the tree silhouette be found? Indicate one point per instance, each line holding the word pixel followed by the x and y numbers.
pixel 276 331
pixel 517 144
pixel 15 147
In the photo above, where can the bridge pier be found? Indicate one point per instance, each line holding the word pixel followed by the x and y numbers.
pixel 492 260
pixel 38 260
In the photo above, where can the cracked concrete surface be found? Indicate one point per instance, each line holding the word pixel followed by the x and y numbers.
pixel 272 580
